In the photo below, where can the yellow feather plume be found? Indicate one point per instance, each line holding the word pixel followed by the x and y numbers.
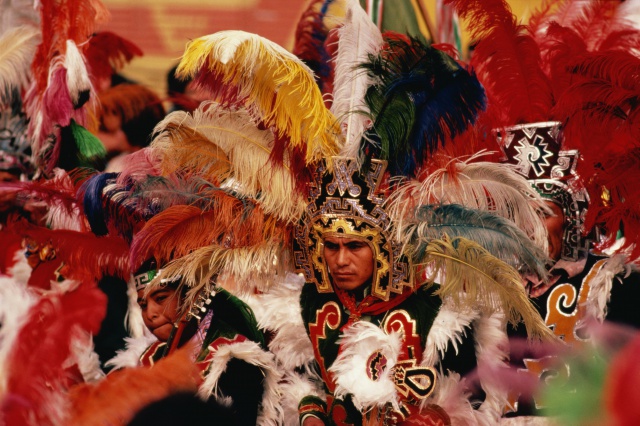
pixel 276 84
pixel 471 276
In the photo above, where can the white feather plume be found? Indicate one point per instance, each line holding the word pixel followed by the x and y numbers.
pixel 358 342
pixel 15 302
pixel 134 348
pixel 77 75
pixel 449 327
pixel 486 186
pixel 278 310
pixel 492 345
pixel 247 148
pixel 17 47
pixel 601 284
pixel 358 38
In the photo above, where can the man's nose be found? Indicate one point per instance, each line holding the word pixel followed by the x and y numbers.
pixel 152 311
pixel 343 257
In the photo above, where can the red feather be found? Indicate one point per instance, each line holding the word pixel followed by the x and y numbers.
pixel 622 388
pixel 86 256
pixel 107 53
pixel 117 398
pixel 181 229
pixel 139 165
pixel 37 370
pixel 597 106
pixel 507 62
pixel 615 199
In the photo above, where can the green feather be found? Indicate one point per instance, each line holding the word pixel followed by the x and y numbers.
pixel 89 146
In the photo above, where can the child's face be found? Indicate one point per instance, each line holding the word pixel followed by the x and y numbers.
pixel 159 311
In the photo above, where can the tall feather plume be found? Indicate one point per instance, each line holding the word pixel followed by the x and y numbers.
pixel 312 34
pixel 595 22
pixel 78 81
pixel 498 236
pixel 37 361
pixel 471 276
pixel 358 38
pixel 507 60
pixel 51 96
pixel 605 91
pixel 244 69
pixel 485 186
pixel 218 144
pixel 423 98
pixel 17 47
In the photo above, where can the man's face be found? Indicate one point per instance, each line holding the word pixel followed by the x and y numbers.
pixel 555 229
pixel 159 311
pixel 350 261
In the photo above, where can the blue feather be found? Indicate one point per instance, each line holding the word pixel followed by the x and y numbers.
pixel 423 98
pixel 93 202
pixel 496 234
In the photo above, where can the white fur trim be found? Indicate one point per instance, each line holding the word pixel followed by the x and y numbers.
pixel 84 356
pixel 451 394
pixel 133 319
pixel 20 271
pixel 16 301
pixel 492 345
pixel 271 411
pixel 449 326
pixel 357 343
pixel 294 387
pixel 528 421
pixel 134 348
pixel 278 310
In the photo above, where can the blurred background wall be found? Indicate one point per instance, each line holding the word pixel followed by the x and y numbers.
pixel 161 28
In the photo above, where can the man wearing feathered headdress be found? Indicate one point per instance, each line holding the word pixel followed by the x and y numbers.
pixel 561 107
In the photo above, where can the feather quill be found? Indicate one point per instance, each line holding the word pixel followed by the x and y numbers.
pixel 244 69
pixel 17 47
pixel 475 278
pixel 358 38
